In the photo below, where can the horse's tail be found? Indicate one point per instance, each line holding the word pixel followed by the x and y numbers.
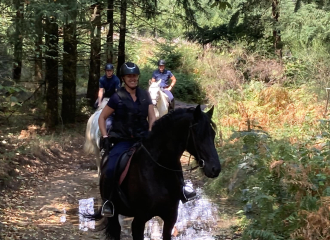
pixel 88 146
pixel 92 135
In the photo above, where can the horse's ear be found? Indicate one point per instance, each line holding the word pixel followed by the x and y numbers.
pixel 158 82
pixel 150 82
pixel 197 113
pixel 210 112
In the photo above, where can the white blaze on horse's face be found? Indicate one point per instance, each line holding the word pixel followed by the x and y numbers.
pixel 154 91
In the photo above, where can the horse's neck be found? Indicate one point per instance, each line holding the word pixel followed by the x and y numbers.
pixel 166 147
pixel 162 104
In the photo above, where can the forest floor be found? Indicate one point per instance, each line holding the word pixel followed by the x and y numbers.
pixel 41 199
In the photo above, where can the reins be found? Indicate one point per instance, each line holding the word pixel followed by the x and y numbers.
pixel 177 170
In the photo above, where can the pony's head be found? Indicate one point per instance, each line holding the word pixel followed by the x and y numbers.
pixel 201 142
pixel 154 91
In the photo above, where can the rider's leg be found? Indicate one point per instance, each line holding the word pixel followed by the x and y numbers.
pixel 106 187
pixel 172 104
pixel 108 183
pixel 171 99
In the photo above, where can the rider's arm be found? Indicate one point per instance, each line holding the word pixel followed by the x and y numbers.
pixel 153 79
pixel 172 83
pixel 151 116
pixel 100 95
pixel 106 112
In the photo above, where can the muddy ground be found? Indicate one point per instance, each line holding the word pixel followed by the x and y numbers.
pixel 50 178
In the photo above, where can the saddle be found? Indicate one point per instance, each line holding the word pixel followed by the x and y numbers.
pixel 123 163
pixel 121 169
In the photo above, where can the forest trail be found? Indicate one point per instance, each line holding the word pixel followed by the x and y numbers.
pixel 51 182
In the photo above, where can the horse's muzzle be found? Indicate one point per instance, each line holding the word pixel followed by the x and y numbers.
pixel 212 170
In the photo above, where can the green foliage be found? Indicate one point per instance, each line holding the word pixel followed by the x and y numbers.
pixel 280 180
pixel 170 53
pixel 188 88
pixel 220 4
pixel 7 99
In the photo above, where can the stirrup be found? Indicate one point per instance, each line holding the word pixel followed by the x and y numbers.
pixel 188 194
pixel 106 212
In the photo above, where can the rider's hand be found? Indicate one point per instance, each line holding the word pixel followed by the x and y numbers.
pixel 169 88
pixel 105 144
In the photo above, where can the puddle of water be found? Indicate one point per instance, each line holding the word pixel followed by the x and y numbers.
pixel 86 206
pixel 63 217
pixel 197 220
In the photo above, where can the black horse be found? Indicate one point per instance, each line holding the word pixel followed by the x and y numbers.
pixel 152 185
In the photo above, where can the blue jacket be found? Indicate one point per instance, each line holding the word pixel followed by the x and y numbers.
pixel 110 85
pixel 164 76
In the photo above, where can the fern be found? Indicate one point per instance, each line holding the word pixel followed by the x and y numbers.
pixel 263 235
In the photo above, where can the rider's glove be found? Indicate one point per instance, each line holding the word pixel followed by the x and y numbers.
pixel 105 144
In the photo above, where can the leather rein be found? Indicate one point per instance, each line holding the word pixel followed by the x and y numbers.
pixel 201 162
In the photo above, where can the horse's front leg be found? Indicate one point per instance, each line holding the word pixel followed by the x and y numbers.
pixel 169 221
pixel 138 225
pixel 113 228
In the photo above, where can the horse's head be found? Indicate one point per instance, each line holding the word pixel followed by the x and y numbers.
pixel 154 90
pixel 201 142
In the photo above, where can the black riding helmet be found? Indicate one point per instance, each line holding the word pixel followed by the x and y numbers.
pixel 161 62
pixel 129 68
pixel 108 66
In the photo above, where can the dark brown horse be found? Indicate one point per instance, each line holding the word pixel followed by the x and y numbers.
pixel 152 185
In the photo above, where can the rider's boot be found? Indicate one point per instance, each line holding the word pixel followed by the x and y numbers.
pixel 107 209
pixel 188 193
pixel 172 105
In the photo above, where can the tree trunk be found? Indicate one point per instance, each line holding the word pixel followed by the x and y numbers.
pixel 122 35
pixel 110 32
pixel 69 68
pixel 38 51
pixel 18 43
pixel 51 76
pixel 95 55
pixel 276 33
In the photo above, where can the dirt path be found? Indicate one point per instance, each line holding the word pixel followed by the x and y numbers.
pixel 34 210
pixel 53 180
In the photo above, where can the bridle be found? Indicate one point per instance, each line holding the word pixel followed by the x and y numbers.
pixel 157 97
pixel 201 162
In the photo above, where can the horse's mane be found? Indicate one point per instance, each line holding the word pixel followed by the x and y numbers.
pixel 168 120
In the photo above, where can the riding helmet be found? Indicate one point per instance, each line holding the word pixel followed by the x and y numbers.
pixel 108 66
pixel 129 68
pixel 161 62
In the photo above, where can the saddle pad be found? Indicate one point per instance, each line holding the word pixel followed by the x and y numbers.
pixel 125 162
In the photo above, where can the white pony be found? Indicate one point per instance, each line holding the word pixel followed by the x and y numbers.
pixel 92 135
pixel 159 99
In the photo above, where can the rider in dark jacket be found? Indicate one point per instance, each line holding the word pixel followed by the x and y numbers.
pixel 165 75
pixel 132 106
pixel 108 84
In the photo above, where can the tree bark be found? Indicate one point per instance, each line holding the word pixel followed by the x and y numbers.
pixel 18 43
pixel 51 57
pixel 110 32
pixel 38 51
pixel 69 68
pixel 122 36
pixel 95 55
pixel 276 33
